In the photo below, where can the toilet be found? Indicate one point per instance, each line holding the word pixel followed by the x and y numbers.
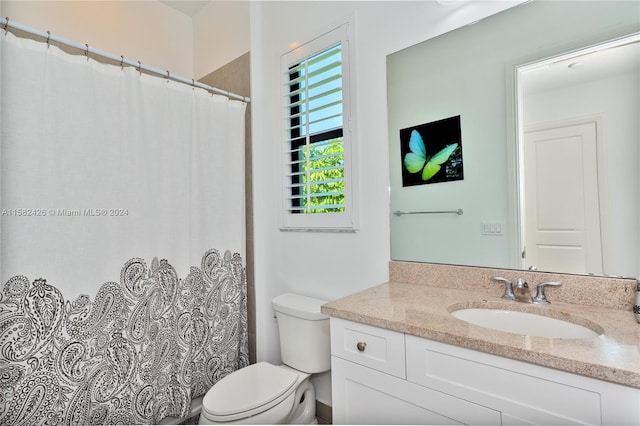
pixel 264 393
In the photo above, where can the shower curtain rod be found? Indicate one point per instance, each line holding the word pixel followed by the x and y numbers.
pixel 7 24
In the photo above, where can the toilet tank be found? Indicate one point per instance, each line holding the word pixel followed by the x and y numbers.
pixel 304 333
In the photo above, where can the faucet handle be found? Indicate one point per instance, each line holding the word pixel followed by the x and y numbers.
pixel 508 288
pixel 540 297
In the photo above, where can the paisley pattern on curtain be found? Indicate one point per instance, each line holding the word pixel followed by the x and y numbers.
pixel 141 351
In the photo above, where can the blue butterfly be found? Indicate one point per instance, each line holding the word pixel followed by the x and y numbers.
pixel 417 160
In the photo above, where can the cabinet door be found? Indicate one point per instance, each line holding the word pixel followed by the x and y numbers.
pixel 362 395
pixel 526 393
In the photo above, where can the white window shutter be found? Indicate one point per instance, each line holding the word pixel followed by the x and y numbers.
pixel 317 141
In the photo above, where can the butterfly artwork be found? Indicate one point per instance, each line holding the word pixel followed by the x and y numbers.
pixel 439 159
pixel 417 160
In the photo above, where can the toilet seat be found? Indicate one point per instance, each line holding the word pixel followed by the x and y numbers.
pixel 248 391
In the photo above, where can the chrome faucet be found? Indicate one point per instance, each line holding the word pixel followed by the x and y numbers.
pixel 518 291
pixel 521 291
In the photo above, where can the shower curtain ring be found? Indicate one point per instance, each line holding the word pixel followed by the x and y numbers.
pixel 48 38
pixel 140 67
pixel 6 25
pixel 86 52
pixel 168 76
pixel 121 62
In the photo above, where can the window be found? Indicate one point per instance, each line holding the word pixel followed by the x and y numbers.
pixel 318 190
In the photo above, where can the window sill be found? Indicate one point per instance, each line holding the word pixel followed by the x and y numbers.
pixel 322 230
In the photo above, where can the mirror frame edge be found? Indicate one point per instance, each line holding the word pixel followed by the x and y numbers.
pixel 513 197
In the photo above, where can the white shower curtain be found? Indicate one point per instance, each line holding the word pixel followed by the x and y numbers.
pixel 103 169
pixel 101 164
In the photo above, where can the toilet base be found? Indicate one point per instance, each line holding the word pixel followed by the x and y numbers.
pixel 304 411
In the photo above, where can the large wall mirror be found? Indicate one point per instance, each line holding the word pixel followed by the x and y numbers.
pixel 542 168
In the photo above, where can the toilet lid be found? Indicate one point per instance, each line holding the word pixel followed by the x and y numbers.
pixel 248 388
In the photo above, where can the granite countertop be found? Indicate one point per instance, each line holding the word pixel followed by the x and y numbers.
pixel 424 311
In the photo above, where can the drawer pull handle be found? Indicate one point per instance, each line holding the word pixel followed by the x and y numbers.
pixel 361 346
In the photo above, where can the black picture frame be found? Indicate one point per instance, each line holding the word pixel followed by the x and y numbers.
pixel 433 144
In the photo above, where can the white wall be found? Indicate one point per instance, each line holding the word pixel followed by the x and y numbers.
pixel 615 101
pixel 327 265
pixel 146 31
pixel 220 35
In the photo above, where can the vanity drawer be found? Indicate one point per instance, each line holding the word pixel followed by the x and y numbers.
pixel 370 346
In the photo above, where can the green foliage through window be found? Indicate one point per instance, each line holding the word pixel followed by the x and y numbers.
pixel 323 177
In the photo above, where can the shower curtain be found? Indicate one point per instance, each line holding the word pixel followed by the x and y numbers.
pixel 102 170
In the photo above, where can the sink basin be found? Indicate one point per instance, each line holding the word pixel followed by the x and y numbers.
pixel 525 323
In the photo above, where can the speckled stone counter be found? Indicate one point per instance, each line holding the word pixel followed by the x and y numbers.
pixel 420 302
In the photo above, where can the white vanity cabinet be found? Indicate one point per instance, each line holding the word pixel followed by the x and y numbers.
pixel 370 386
pixel 385 377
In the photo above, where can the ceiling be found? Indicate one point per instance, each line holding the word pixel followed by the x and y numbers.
pixel 188 7
pixel 580 69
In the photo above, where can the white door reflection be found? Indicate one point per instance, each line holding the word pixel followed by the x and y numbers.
pixel 577 157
